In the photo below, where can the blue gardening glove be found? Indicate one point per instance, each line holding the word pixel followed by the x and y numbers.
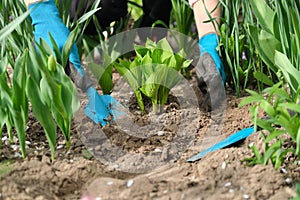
pixel 208 44
pixel 46 19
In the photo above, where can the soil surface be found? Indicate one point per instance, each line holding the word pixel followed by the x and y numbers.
pixel 87 171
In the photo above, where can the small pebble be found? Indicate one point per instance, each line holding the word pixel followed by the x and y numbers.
pixel 27 142
pixel 17 155
pixel 283 170
pixel 160 133
pixel 165 191
pixel 227 184
pixel 251 144
pixel 157 150
pixel 288 180
pixel 98 198
pixel 223 165
pixel 246 196
pixel 231 190
pixel 4 138
pixel 129 183
pixel 60 146
pixel 110 183
pixel 14 147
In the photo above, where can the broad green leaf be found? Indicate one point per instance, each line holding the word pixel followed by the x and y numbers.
pixel 68 46
pixel 55 49
pixel 106 81
pixel 268 108
pixel 265 15
pixel 263 78
pixel 291 74
pixel 266 45
pixel 156 56
pixel 19 100
pixel 139 98
pixel 128 76
pixel 42 113
pixel 103 75
pixel 141 51
pixel 164 45
pixel 46 96
pixel 292 106
pixel 249 100
pixel 146 60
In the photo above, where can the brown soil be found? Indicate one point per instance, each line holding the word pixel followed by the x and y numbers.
pixel 75 173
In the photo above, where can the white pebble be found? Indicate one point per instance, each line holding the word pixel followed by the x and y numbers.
pixel 4 138
pixel 283 170
pixel 27 142
pixel 160 133
pixel 251 144
pixel 60 146
pixel 226 156
pixel 14 147
pixel 231 190
pixel 129 183
pixel 246 196
pixel 98 198
pixel 223 165
pixel 227 184
pixel 288 180
pixel 110 183
pixel 17 155
pixel 157 150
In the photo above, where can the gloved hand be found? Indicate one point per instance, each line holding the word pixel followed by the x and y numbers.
pixel 208 44
pixel 46 19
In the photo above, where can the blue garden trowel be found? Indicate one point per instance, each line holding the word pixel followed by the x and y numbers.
pixel 238 136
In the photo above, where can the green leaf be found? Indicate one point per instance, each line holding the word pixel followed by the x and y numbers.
pixel 268 108
pixel 266 45
pixel 298 143
pixel 273 135
pixel 249 100
pixel 87 15
pixel 19 100
pixel 8 29
pixel 263 78
pixel 291 74
pixel 292 106
pixel 42 113
pixel 128 76
pixel 265 15
pixel 68 46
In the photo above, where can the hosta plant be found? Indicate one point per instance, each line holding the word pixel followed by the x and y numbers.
pixel 153 72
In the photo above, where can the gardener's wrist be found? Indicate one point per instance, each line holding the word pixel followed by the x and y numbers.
pixel 29 2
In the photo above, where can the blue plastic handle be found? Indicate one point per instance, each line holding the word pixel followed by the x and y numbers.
pixel 242 134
